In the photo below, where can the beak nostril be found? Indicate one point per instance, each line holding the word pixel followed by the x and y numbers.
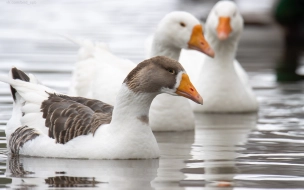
pixel 191 89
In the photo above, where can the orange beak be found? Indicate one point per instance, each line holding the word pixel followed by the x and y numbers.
pixel 198 42
pixel 187 90
pixel 223 28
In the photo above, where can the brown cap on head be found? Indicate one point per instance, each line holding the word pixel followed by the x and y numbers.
pixel 153 74
pixel 161 74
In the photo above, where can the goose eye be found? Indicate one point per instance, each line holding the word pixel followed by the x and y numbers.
pixel 182 24
pixel 171 71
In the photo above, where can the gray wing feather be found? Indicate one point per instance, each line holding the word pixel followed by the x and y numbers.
pixel 69 117
pixel 20 136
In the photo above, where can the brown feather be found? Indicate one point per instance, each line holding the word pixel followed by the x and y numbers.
pixel 152 74
pixel 67 181
pixel 18 74
pixel 69 117
pixel 20 136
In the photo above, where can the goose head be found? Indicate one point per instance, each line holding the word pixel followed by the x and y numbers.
pixel 162 75
pixel 224 21
pixel 181 30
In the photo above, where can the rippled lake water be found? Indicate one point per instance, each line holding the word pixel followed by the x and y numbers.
pixel 236 151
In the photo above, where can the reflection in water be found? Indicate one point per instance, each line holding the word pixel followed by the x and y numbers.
pixel 175 148
pixel 66 181
pixel 16 168
pixel 217 137
pixel 42 173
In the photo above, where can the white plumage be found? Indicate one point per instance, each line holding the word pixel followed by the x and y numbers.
pixel 222 81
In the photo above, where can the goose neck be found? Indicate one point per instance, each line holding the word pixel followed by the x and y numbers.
pixel 225 50
pixel 131 106
pixel 161 48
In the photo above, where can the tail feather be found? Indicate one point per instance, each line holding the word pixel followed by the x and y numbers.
pixel 18 74
pixel 28 95
pixel 27 86
pixel 88 48
pixel 76 41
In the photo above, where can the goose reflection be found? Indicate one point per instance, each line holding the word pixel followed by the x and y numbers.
pixel 217 140
pixel 66 181
pixel 175 148
pixel 43 173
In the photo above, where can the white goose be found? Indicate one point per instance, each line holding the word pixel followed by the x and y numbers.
pixel 47 124
pixel 100 74
pixel 222 81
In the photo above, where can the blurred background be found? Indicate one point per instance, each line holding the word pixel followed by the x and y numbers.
pixel 268 150
pixel 30 29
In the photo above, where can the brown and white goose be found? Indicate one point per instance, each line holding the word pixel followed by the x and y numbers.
pixel 48 124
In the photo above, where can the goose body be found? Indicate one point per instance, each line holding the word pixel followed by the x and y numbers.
pixel 176 30
pixel 48 124
pixel 222 80
pixel 97 70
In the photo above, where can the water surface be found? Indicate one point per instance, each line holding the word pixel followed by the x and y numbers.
pixel 238 151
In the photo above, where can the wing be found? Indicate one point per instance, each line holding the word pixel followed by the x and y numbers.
pixel 69 117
